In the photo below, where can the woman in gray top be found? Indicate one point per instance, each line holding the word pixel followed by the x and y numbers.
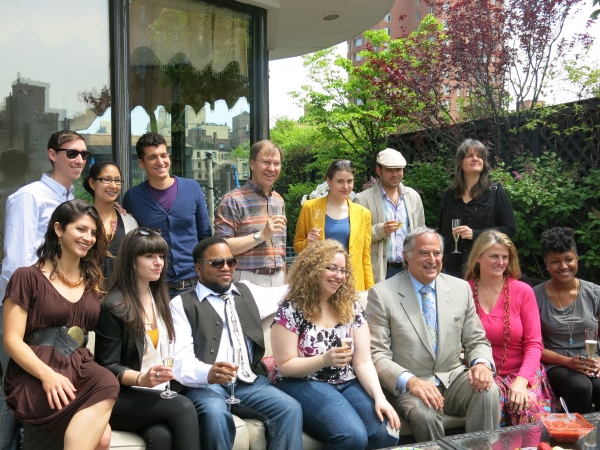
pixel 568 306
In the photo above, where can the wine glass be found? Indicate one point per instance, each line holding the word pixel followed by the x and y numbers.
pixel 317 215
pixel 591 341
pixel 233 356
pixel 347 338
pixel 167 353
pixel 455 223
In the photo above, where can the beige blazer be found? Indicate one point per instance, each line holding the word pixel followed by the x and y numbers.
pixel 372 200
pixel 399 340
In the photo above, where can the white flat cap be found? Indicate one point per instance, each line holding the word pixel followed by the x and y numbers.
pixel 391 158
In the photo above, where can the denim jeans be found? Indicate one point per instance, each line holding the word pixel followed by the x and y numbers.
pixel 390 272
pixel 341 416
pixel 262 401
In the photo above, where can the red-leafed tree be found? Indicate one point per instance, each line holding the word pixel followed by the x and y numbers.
pixel 491 56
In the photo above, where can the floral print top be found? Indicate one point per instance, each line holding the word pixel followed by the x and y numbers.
pixel 314 340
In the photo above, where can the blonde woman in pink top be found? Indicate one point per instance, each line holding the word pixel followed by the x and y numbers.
pixel 508 311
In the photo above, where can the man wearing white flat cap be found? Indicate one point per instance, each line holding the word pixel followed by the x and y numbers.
pixel 395 211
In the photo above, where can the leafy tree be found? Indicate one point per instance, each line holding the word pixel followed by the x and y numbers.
pixel 242 151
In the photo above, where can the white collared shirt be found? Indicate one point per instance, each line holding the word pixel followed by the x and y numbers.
pixel 190 371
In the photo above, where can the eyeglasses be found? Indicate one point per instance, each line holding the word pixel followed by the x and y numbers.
pixel 219 263
pixel 110 180
pixel 343 163
pixel 72 154
pixel 145 231
pixel 276 165
pixel 343 272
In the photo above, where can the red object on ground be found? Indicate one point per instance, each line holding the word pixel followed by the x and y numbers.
pixel 544 446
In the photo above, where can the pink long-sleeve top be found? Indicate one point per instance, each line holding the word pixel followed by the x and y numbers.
pixel 525 346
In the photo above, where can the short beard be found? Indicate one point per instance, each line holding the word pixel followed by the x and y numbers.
pixel 216 287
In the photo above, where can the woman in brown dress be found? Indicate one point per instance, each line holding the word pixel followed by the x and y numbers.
pixel 51 381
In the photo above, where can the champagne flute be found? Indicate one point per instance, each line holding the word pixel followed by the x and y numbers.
pixel 317 216
pixel 167 353
pixel 591 341
pixel 455 223
pixel 233 356
pixel 347 339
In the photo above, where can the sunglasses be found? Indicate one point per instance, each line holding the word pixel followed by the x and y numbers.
pixel 72 154
pixel 343 163
pixel 219 263
pixel 145 231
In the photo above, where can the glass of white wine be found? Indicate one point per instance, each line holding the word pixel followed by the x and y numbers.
pixel 317 215
pixel 591 341
pixel 234 357
pixel 455 224
pixel 347 339
pixel 167 353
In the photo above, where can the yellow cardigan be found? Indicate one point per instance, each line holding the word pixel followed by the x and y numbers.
pixel 360 237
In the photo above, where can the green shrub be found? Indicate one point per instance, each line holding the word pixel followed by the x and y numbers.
pixel 293 197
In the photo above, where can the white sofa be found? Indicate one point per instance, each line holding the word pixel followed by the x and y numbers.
pixel 250 434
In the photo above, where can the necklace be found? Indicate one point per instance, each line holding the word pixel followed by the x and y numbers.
pixel 65 280
pixel 151 325
pixel 506 321
pixel 570 326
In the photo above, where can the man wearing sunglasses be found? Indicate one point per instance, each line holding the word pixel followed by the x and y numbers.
pixel 173 204
pixel 205 327
pixel 28 212
pixel 29 209
pixel 252 219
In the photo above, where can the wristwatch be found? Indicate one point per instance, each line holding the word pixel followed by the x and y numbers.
pixel 257 237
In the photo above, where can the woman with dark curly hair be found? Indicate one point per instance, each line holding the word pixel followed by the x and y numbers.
pixel 52 380
pixel 508 313
pixel 478 203
pixel 568 305
pixel 334 381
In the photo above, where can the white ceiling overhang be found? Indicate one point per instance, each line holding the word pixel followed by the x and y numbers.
pixel 297 27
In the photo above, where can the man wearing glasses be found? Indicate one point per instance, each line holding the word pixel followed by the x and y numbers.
pixel 28 212
pixel 29 209
pixel 252 220
pixel 173 204
pixel 216 316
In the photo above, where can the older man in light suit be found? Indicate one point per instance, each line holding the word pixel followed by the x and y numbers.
pixel 420 321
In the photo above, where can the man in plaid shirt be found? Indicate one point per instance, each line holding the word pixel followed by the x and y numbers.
pixel 252 220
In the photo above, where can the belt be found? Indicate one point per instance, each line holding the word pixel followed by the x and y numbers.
pixel 182 284
pixel 264 271
pixel 394 265
pixel 64 340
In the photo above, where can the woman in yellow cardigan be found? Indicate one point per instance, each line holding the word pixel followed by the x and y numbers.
pixel 336 217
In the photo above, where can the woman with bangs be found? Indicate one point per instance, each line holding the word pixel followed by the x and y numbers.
pixel 135 319
pixel 337 386
pixel 473 199
pixel 336 217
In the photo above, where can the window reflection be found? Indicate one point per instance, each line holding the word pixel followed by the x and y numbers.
pixel 189 81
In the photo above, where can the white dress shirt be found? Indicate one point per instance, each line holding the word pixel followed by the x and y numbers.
pixel 190 371
pixel 28 213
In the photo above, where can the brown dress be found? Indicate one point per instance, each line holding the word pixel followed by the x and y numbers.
pixel 30 289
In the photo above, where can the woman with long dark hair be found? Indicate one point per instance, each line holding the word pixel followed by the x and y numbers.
pixel 135 319
pixel 103 183
pixel 473 199
pixel 336 217
pixel 52 380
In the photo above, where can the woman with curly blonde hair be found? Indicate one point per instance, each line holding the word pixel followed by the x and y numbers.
pixel 318 363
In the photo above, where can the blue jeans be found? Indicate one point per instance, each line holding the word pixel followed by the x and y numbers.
pixel 341 416
pixel 262 401
pixel 390 272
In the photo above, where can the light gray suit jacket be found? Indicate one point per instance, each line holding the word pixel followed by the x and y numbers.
pixel 372 200
pixel 399 340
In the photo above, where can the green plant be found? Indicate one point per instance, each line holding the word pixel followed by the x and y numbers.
pixel 430 180
pixel 293 197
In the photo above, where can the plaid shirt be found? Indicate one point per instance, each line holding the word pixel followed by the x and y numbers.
pixel 245 211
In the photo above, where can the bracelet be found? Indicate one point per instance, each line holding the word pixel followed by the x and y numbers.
pixel 137 380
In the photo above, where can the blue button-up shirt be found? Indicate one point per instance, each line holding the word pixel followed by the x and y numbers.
pixel 28 213
pixel 399 213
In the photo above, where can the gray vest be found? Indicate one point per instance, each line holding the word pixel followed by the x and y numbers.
pixel 207 326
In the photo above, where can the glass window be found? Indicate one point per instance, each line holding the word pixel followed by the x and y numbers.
pixel 55 75
pixel 388 17
pixel 417 2
pixel 358 41
pixel 431 10
pixel 357 57
pixel 388 30
pixel 189 80
pixel 418 16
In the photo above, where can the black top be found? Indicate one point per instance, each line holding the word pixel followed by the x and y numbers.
pixel 476 215
pixel 108 262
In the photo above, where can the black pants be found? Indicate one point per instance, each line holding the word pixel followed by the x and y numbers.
pixel 164 424
pixel 578 390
